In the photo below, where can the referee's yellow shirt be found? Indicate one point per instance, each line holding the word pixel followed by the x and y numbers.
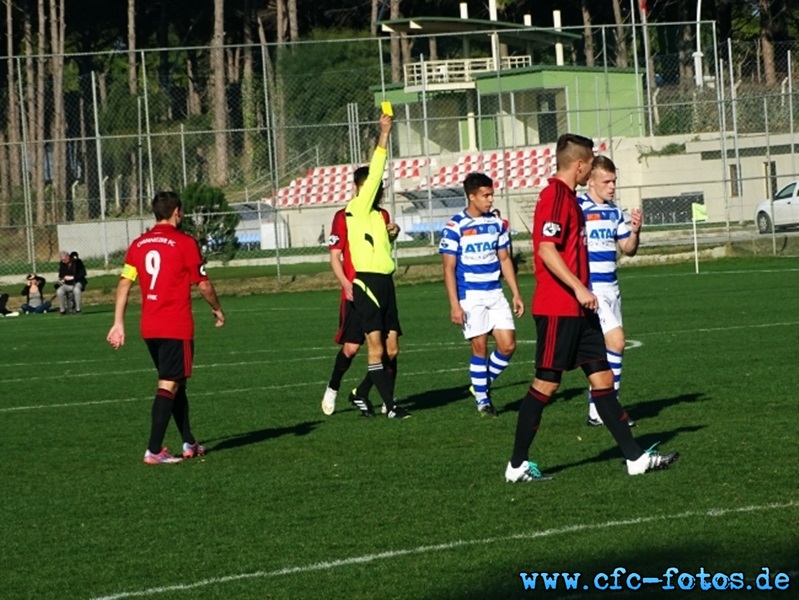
pixel 367 236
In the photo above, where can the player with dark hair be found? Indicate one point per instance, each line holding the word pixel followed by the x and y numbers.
pixel 474 249
pixel 374 301
pixel 568 331
pixel 607 227
pixel 349 335
pixel 167 263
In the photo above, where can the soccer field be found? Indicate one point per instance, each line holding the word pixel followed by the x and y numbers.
pixel 289 503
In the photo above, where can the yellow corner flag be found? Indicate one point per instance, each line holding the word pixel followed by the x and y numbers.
pixel 698 212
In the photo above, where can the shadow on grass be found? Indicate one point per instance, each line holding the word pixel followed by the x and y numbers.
pixel 262 435
pixel 638 411
pixel 645 441
pixel 652 408
pixel 436 398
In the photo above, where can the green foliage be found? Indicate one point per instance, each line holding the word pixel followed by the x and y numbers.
pixel 318 81
pixel 208 217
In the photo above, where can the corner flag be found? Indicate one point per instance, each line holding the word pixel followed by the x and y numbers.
pixel 698 212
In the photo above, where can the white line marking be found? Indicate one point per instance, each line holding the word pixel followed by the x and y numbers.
pixel 194 394
pixel 369 558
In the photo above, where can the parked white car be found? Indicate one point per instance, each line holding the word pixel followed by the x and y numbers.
pixel 786 209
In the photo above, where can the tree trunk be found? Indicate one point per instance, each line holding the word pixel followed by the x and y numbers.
pixel 281 21
pixel 58 129
pixel 5 183
pixel 248 106
pixel 396 59
pixel 14 135
pixel 133 88
pixel 767 45
pixel 621 39
pixel 30 97
pixel 275 136
pixel 294 30
pixel 375 12
pixel 588 34
pixel 132 79
pixel 233 72
pixel 220 170
pixel 162 36
pixel 687 46
pixel 194 105
pixel 37 133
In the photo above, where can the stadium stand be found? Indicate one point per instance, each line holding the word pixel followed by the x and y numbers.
pixel 515 169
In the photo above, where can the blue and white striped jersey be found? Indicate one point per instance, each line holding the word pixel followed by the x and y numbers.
pixel 605 225
pixel 475 242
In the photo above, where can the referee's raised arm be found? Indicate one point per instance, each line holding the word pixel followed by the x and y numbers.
pixel 362 203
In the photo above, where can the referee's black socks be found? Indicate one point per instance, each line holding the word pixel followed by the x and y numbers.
pixel 382 382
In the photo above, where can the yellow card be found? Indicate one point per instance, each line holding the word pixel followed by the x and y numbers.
pixel 387 108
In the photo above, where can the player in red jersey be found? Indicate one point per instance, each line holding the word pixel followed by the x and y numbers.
pixel 167 263
pixel 568 329
pixel 350 335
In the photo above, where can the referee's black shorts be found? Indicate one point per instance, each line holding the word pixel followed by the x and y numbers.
pixel 565 343
pixel 349 327
pixel 173 358
pixel 374 303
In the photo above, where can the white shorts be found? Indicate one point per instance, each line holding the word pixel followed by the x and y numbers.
pixel 609 308
pixel 484 312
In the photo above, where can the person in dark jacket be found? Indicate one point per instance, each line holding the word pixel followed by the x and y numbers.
pixel 71 275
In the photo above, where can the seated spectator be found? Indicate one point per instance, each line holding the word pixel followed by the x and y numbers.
pixel 71 280
pixel 4 312
pixel 34 295
pixel 81 269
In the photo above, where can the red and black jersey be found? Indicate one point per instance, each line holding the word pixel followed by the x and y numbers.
pixel 166 262
pixel 338 239
pixel 558 219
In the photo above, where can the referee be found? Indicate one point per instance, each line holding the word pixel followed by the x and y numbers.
pixel 374 301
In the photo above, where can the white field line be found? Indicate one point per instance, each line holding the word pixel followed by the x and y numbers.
pixel 427 549
pixel 200 366
pixel 406 348
pixel 332 348
pixel 222 392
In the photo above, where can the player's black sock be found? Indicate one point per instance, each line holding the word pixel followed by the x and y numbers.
pixel 390 365
pixel 180 412
pixel 527 425
pixel 363 389
pixel 340 367
pixel 615 419
pixel 162 410
pixel 382 383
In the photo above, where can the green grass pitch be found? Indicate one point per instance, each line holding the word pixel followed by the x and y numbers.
pixel 289 503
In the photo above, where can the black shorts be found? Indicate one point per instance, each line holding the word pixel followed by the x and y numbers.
pixel 374 303
pixel 565 343
pixel 173 358
pixel 349 328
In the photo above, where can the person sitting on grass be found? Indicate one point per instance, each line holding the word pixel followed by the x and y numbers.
pixel 34 295
pixel 4 312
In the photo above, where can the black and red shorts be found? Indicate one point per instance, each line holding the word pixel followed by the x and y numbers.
pixel 349 328
pixel 173 358
pixel 565 343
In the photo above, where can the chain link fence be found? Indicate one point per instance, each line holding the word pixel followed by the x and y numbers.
pixel 88 139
